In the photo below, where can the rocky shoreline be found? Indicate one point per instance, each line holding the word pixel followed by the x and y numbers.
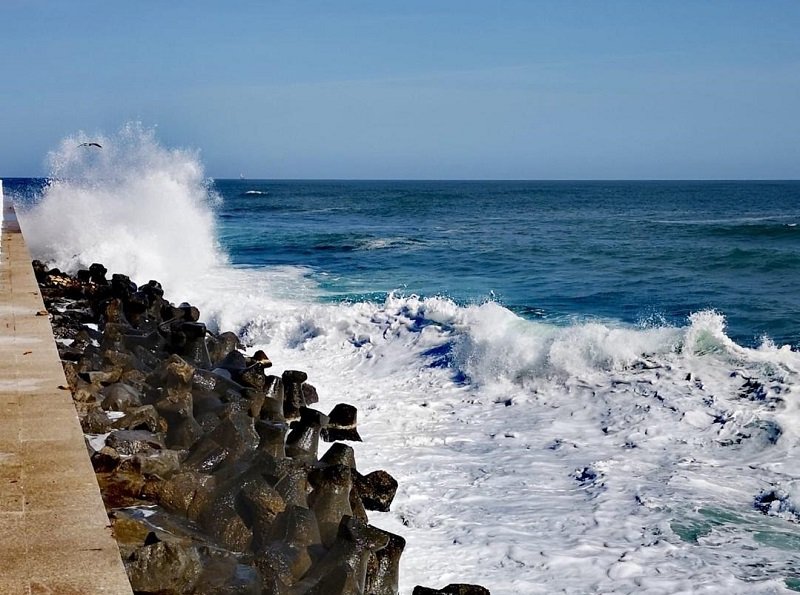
pixel 208 465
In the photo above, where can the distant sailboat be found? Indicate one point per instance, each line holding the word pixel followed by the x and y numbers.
pixel 241 176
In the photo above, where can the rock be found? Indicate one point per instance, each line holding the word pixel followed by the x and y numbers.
pixel 338 581
pixel 217 382
pixel 223 574
pixel 39 270
pixel 294 377
pixel 152 289
pixel 206 456
pixel 237 434
pixel 105 460
pixel 119 360
pixel 272 438
pixel 351 551
pixel 189 341
pixel 148 348
pixel 121 286
pixel 129 532
pixel 141 418
pixel 452 589
pixel 175 372
pixel 159 463
pixel 303 441
pixel 376 490
pixel 309 394
pixel 113 315
pixel 121 488
pixel 260 356
pixel 234 361
pixel 261 504
pixel 290 545
pixel 357 506
pixel 342 421
pixel 97 273
pixel 120 397
pixel 190 313
pixel 297 526
pixel 220 517
pixel 130 442
pixel 282 562
pixel 135 308
pixel 339 454
pixel 383 569
pixel 177 409
pixel 293 483
pixel 102 377
pixel 330 499
pixel 272 405
pixel 165 568
pixel 221 345
pixel 293 393
pixel 96 421
pixel 252 376
pixel 178 493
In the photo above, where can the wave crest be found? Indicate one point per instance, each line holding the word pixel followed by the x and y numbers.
pixel 133 205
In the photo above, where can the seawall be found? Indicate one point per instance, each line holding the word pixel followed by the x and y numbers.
pixel 55 535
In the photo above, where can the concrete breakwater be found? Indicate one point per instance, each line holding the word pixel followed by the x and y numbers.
pixel 209 465
pixel 54 533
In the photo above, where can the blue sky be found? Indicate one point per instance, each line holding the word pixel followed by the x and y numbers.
pixel 415 89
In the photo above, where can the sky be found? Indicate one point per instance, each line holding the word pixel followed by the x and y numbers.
pixel 419 89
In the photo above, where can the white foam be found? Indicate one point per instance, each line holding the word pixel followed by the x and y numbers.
pixel 133 205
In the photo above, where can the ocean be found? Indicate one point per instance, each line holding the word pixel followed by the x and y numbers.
pixel 581 387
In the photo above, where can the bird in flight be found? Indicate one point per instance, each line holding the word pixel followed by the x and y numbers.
pixel 98 145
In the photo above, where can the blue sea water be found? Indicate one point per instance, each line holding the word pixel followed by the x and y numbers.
pixel 640 252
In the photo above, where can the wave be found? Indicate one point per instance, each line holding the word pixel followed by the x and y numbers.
pixel 772 230
pixel 649 458
pixel 254 193
pixel 769 227
pixel 133 205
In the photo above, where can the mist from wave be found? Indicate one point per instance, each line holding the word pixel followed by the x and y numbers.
pixel 132 204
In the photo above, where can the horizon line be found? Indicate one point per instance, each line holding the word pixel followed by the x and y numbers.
pixel 248 179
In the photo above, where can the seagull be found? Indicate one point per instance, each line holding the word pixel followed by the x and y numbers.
pixel 98 145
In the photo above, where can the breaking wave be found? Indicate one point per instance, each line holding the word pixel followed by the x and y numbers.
pixel 532 457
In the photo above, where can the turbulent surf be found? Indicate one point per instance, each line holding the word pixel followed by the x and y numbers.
pixel 578 388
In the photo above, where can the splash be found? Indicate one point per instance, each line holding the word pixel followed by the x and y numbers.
pixel 133 205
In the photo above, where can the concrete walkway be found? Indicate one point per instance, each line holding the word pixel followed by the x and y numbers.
pixel 55 536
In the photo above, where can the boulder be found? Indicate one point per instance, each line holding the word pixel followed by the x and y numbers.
pixel 453 589
pixel 221 518
pixel 165 568
pixel 260 504
pixel 330 499
pixel 293 393
pixel 342 421
pixel 350 553
pixel 221 345
pixel 383 568
pixel 159 463
pixel 120 397
pixel 236 433
pixel 303 441
pixel 178 493
pixel 141 418
pixel 130 442
pixel 376 490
